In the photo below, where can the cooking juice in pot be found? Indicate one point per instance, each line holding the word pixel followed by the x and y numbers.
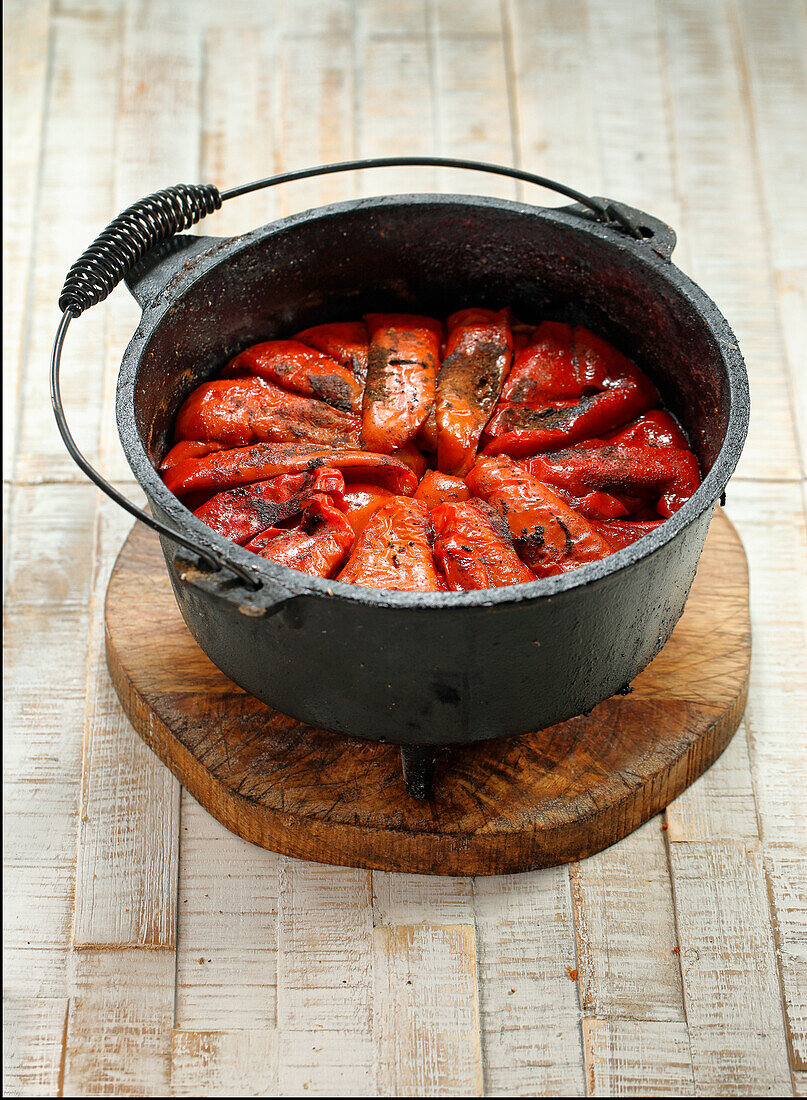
pixel 404 453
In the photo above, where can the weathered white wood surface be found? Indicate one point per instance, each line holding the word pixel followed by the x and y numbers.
pixel 147 950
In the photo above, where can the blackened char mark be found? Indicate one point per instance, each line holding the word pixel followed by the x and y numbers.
pixel 333 390
pixel 565 529
pixel 531 540
pixel 521 418
pixel 376 390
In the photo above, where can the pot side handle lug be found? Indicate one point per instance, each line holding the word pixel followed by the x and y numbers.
pixel 263 602
pixel 160 267
pixel 656 235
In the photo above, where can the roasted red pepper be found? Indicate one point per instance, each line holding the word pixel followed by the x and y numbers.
pixel 190 448
pixel 602 467
pixel 549 536
pixel 623 532
pixel 240 411
pixel 295 366
pixel 345 341
pixel 594 505
pixel 473 547
pixel 413 458
pixel 318 546
pixel 394 550
pixel 479 350
pixel 603 388
pixel 240 514
pixel 243 465
pixel 655 429
pixel 667 475
pixel 543 368
pixel 436 488
pixel 359 500
pixel 401 372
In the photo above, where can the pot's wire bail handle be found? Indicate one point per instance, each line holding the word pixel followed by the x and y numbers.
pixel 157 218
pixel 115 252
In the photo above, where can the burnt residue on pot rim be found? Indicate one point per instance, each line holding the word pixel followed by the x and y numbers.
pixel 281 582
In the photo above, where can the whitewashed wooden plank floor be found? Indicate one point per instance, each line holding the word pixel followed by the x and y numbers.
pixel 147 950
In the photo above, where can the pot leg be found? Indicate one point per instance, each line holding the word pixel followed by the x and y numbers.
pixel 418 769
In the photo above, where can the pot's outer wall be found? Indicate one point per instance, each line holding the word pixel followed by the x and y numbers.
pixel 415 668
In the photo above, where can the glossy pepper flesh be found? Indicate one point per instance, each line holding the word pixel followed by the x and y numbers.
pixel 240 411
pixel 654 429
pixel 549 536
pixel 624 532
pixel 401 372
pixel 190 448
pixel 295 366
pixel 473 547
pixel 437 488
pixel 479 350
pixel 394 550
pixel 359 500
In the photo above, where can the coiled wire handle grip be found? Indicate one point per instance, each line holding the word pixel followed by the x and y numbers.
pixel 157 218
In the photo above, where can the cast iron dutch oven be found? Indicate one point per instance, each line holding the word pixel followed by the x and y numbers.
pixel 416 669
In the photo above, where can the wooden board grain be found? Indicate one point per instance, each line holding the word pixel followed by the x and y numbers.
pixel 499 806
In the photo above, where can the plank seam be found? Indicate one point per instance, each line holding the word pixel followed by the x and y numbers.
pixel 511 83
pixel 574 902
pixel 480 1030
pixel 790 1038
pixel 63 1053
pixel 677 930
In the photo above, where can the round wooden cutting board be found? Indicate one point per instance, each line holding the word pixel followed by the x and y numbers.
pixel 498 806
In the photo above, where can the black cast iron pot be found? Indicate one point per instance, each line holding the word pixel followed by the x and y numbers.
pixel 416 669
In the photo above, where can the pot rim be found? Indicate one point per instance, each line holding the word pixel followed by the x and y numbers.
pixel 278 579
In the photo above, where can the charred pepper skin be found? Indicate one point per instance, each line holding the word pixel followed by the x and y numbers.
pixel 665 476
pixel 394 550
pixel 241 514
pixel 295 366
pixel 401 372
pixel 242 465
pixel 567 385
pixel 479 351
pixel 240 411
pixel 436 488
pixel 317 547
pixel 345 341
pixel 550 537
pixel 473 547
